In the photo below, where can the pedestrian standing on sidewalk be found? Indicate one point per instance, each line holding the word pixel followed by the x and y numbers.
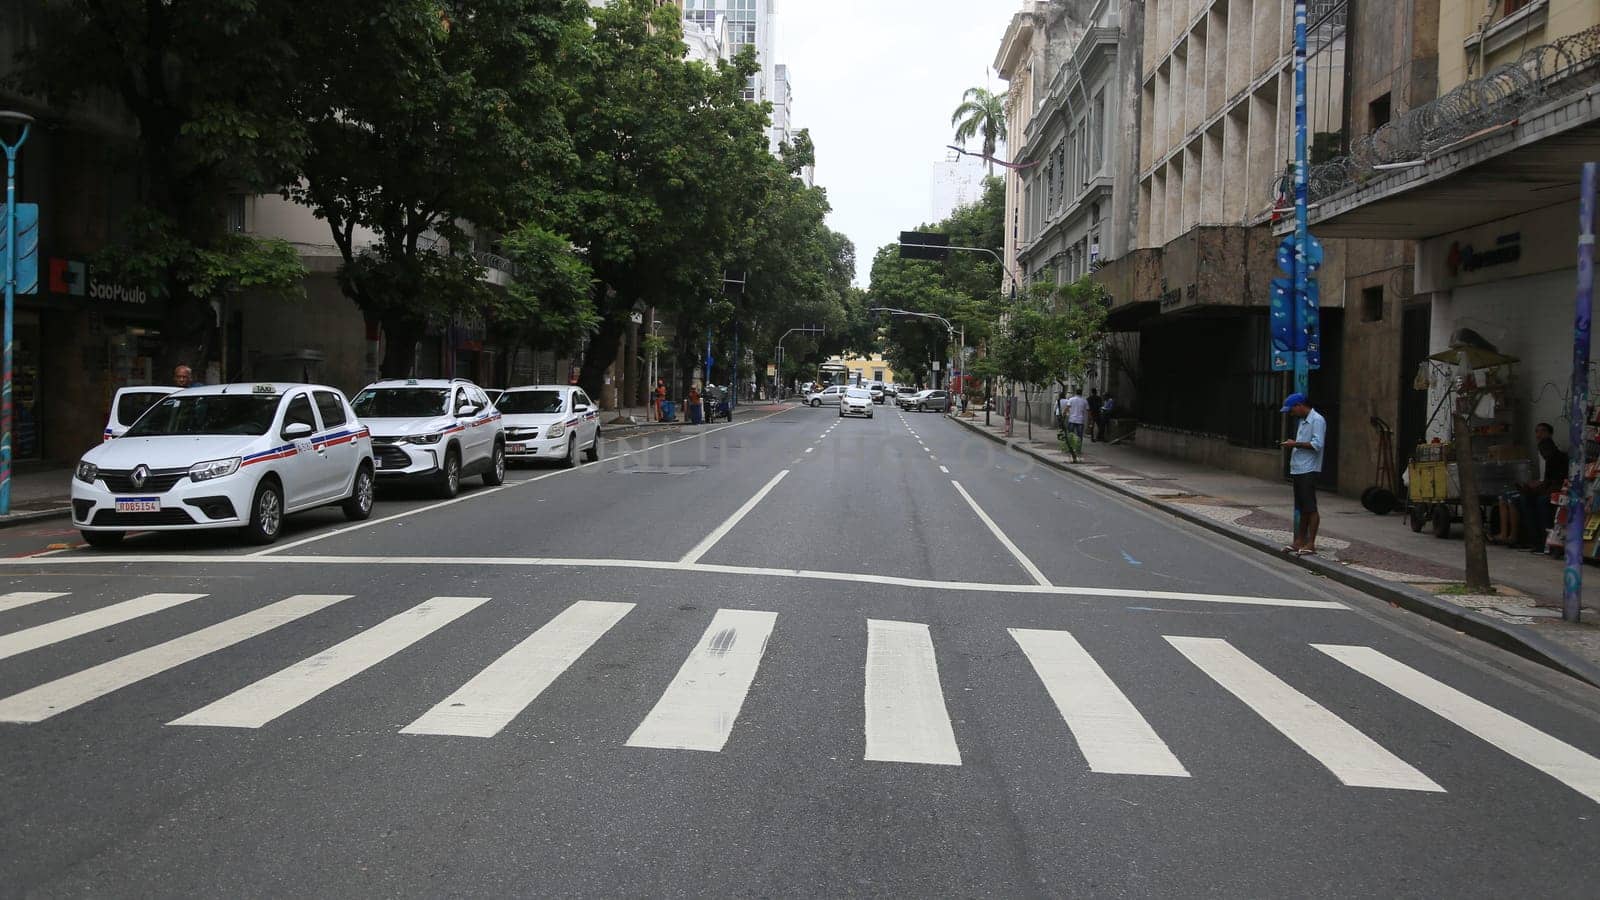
pixel 1077 413
pixel 1096 404
pixel 696 411
pixel 183 377
pixel 1305 464
pixel 661 397
pixel 1107 409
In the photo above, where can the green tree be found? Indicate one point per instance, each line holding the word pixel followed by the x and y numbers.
pixel 209 86
pixel 424 116
pixel 981 113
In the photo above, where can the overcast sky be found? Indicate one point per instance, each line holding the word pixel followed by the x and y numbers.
pixel 876 82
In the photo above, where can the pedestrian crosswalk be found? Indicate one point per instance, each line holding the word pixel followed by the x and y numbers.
pixel 905 707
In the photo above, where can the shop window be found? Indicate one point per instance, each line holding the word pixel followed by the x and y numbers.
pixel 1372 304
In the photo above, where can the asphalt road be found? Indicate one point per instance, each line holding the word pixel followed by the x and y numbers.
pixel 791 656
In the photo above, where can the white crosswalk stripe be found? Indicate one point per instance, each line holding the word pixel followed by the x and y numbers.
pixel 17 599
pixel 906 719
pixel 488 702
pixel 1351 756
pixel 259 703
pixel 1556 758
pixel 700 705
pixel 1113 736
pixel 54 697
pixel 83 623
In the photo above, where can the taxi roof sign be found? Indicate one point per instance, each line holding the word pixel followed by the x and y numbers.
pixel 264 389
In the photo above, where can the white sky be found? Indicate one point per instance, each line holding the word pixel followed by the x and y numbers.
pixel 876 81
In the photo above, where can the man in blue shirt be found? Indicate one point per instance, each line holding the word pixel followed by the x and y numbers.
pixel 1305 464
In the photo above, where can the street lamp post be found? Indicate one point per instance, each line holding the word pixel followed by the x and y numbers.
pixel 1302 234
pixel 24 120
pixel 949 327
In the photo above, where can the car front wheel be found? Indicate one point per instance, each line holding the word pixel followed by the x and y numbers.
pixel 570 461
pixel 266 513
pixel 593 453
pixel 816 403
pixel 450 475
pixel 358 506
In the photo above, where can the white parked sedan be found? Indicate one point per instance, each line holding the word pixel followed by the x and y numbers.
pixel 550 421
pixel 855 402
pixel 226 456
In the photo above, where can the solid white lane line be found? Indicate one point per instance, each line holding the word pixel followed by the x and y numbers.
pixel 1022 558
pixel 1113 736
pixel 53 697
pixel 1556 758
pixel 257 704
pixel 83 623
pixel 495 696
pixel 906 719
pixel 279 548
pixel 975 587
pixel 699 707
pixel 16 599
pixel 1351 756
pixel 944 470
pixel 721 531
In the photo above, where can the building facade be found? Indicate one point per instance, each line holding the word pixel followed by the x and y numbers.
pixel 750 23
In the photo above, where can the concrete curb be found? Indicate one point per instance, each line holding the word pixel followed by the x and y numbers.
pixel 36 515
pixel 1516 638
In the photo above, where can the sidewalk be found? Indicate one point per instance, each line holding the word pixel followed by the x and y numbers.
pixel 1378 554
pixel 38 491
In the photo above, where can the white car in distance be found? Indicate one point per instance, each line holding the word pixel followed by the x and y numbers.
pixel 226 456
pixel 829 396
pixel 855 401
pixel 550 421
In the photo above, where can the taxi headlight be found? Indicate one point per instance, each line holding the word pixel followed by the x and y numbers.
pixel 425 438
pixel 556 430
pixel 87 472
pixel 215 468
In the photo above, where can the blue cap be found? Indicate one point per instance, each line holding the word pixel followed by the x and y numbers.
pixel 1291 401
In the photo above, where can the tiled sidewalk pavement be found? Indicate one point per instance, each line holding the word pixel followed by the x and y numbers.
pixel 1528 586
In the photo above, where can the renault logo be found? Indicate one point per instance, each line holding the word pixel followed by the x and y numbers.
pixel 139 475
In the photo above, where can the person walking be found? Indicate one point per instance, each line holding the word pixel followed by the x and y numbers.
pixel 1305 465
pixel 1077 414
pixel 660 398
pixel 1096 404
pixel 696 411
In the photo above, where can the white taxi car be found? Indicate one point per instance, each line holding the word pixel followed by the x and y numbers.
pixel 438 430
pixel 129 403
pixel 855 401
pixel 226 456
pixel 550 421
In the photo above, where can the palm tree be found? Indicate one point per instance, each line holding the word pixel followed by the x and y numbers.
pixel 980 112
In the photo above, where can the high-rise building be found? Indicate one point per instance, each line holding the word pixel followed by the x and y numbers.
pixel 750 24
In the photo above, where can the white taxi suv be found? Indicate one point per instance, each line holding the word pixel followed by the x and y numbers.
pixel 226 456
pixel 129 403
pixel 856 401
pixel 434 430
pixel 550 421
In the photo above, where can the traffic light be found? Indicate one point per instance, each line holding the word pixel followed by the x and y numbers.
pixel 924 245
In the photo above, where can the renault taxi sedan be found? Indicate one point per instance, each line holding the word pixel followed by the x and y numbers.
pixel 435 430
pixel 226 456
pixel 855 402
pixel 550 421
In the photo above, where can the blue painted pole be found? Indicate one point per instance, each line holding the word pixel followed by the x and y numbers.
pixel 1572 582
pixel 1302 234
pixel 11 292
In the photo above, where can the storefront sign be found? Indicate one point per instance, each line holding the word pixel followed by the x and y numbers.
pixel 1464 258
pixel 71 277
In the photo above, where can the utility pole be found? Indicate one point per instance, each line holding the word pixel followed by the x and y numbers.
pixel 1577 505
pixel 1302 234
pixel 13 241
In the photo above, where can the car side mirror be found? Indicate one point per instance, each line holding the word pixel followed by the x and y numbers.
pixel 466 409
pixel 296 430
pixel 580 407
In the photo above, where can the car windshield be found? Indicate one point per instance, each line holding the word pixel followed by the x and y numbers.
pixel 208 414
pixel 400 403
pixel 530 402
pixel 859 393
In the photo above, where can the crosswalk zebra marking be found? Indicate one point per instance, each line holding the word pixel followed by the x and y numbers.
pixel 702 702
pixel 83 623
pixel 1351 756
pixel 259 703
pixel 54 697
pixel 906 719
pixel 17 599
pixel 1556 758
pixel 1113 736
pixel 492 698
